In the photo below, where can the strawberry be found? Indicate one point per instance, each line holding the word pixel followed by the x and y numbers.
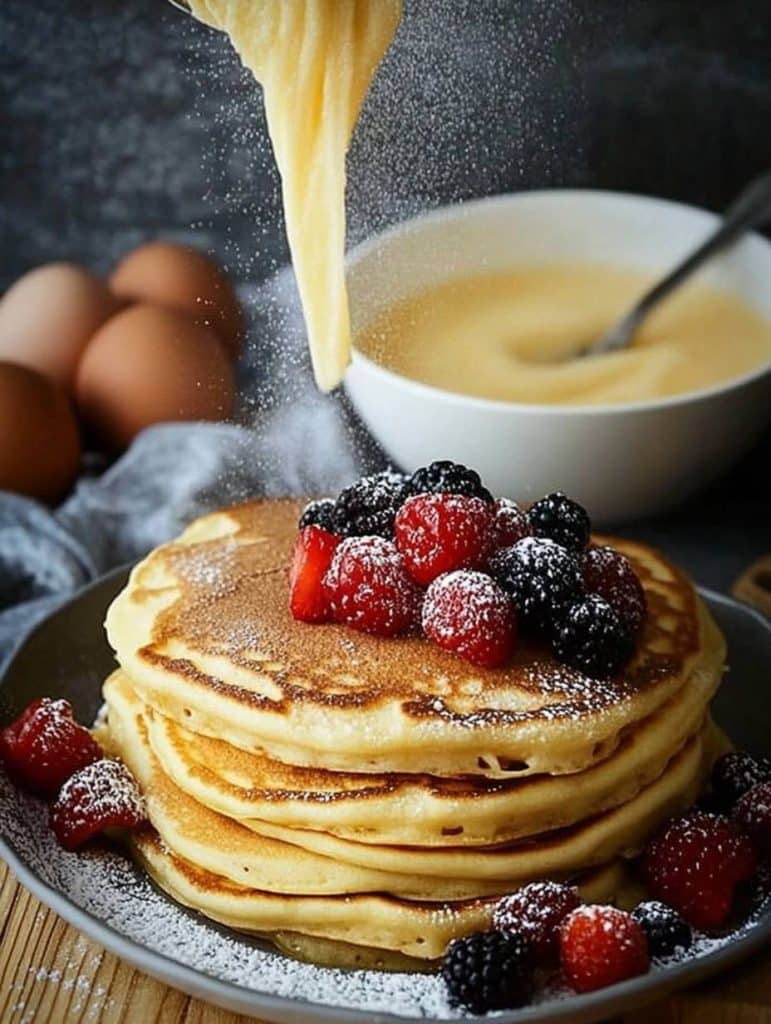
pixel 101 795
pixel 311 557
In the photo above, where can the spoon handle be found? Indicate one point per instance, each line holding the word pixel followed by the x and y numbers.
pixel 751 208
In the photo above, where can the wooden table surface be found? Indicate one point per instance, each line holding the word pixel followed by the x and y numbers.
pixel 49 972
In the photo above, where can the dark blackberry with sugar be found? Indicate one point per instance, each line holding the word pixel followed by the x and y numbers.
pixel 488 971
pixel 542 578
pixel 664 929
pixel 319 513
pixel 562 520
pixel 734 774
pixel 592 637
pixel 448 478
pixel 369 506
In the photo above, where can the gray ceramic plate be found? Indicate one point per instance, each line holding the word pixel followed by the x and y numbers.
pixel 102 894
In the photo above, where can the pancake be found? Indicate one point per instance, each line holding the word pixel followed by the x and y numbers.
pixel 204 632
pixel 416 929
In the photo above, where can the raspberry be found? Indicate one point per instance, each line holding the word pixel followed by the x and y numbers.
pixel 368 587
pixel 488 971
pixel 562 520
pixel 536 912
pixel 734 774
pixel 600 946
pixel 511 523
pixel 592 637
pixel 695 863
pixel 468 613
pixel 101 795
pixel 369 506
pixel 753 814
pixel 664 929
pixel 437 533
pixel 311 557
pixel 448 478
pixel 542 578
pixel 319 513
pixel 609 574
pixel 45 745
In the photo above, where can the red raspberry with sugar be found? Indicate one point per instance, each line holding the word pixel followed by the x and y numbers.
pixel 467 612
pixel 611 575
pixel 511 523
pixel 102 795
pixel 753 814
pixel 368 587
pixel 437 533
pixel 536 912
pixel 600 946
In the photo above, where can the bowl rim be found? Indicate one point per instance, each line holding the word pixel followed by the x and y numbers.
pixel 451 211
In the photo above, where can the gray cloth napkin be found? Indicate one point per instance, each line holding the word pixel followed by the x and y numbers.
pixel 289 440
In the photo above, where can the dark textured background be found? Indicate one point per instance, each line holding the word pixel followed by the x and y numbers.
pixel 122 119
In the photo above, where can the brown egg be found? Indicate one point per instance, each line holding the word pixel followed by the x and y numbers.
pixel 183 278
pixel 39 442
pixel 48 317
pixel 150 364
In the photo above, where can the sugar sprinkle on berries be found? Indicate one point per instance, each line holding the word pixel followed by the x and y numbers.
pixel 446 477
pixel 542 578
pixel 437 533
pixel 100 796
pixel 600 946
pixel 536 911
pixel 562 520
pixel 734 774
pixel 753 814
pixel 610 574
pixel 592 637
pixel 664 928
pixel 467 612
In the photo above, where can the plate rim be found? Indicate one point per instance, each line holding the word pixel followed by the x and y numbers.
pixel 234 996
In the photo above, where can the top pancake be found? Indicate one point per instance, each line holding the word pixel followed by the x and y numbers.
pixel 204 631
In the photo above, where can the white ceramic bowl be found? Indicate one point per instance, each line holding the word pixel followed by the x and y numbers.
pixel 622 462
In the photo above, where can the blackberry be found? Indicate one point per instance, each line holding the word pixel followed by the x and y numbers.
pixel 448 478
pixel 664 929
pixel 488 971
pixel 319 513
pixel 593 638
pixel 369 506
pixel 562 520
pixel 542 577
pixel 735 774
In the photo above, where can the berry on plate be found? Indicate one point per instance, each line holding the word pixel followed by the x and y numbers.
pixel 45 746
pixel 600 946
pixel 541 577
pixel 562 520
pixel 488 971
pixel 369 506
pixel 665 930
pixel 753 814
pixel 437 533
pixel 102 795
pixel 448 478
pixel 591 637
pixel 694 865
pixel 311 557
pixel 467 612
pixel 319 513
pixel 511 523
pixel 536 912
pixel 734 774
pixel 610 574
pixel 368 587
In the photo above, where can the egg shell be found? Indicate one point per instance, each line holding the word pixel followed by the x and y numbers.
pixel 150 364
pixel 39 440
pixel 48 317
pixel 183 278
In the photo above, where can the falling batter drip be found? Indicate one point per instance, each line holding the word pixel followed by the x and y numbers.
pixel 315 60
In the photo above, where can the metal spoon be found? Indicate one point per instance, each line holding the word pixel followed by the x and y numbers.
pixel 751 208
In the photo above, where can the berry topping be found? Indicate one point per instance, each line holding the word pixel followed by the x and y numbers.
pixel 592 637
pixel 562 520
pixel 511 523
pixel 542 577
pixel 369 506
pixel 665 930
pixel 536 912
pixel 753 813
pixel 488 971
pixel 437 533
pixel 368 587
pixel 311 557
pixel 102 795
pixel 610 574
pixel 448 478
pixel 600 946
pixel 45 745
pixel 694 865
pixel 468 613
pixel 319 513
pixel 734 774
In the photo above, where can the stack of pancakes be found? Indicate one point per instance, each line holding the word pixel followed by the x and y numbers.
pixel 363 800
